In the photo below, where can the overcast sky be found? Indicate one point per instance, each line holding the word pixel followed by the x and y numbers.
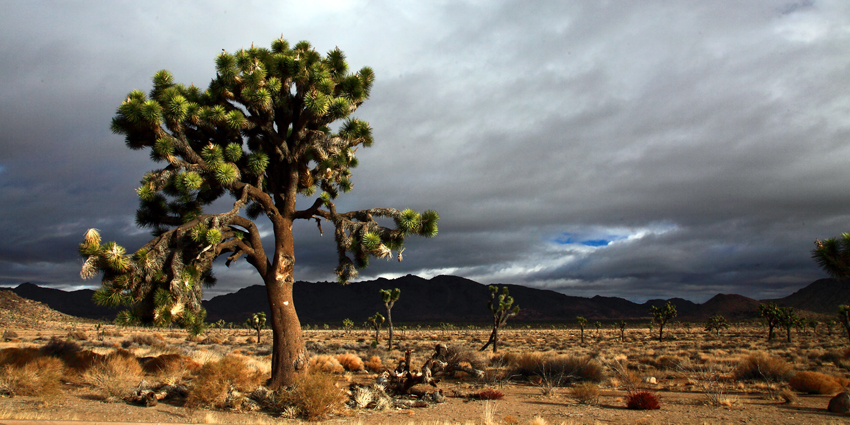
pixel 632 149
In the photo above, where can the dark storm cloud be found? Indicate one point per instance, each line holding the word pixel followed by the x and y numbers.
pixel 706 142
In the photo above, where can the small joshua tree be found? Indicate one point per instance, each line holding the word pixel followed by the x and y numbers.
pixel 503 309
pixel 844 317
pixel 598 326
pixel 375 323
pixel 788 319
pixel 715 324
pixel 771 313
pixel 257 322
pixel 663 315
pixel 582 322
pixel 622 326
pixel 389 298
pixel 347 325
pixel 829 325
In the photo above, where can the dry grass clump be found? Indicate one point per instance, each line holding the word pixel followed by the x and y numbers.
pixel 78 335
pixel 763 367
pixel 585 393
pixel 816 383
pixel 351 362
pixel 373 364
pixel 173 365
pixel 215 379
pixel 324 363
pixel 558 368
pixel 18 356
pixel 75 358
pixel 114 377
pixel 314 395
pixel 39 377
pixel 490 394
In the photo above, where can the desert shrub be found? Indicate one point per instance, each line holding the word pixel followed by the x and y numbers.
pixel 459 354
pixel 39 377
pixel 560 369
pixel 351 362
pixel 314 395
pixel 145 339
pixel 75 358
pixel 9 335
pixel 490 394
pixel 324 363
pixel 763 367
pixel 788 396
pixel 170 365
pixel 373 364
pixel 642 400
pixel 77 335
pixel 18 357
pixel 667 363
pixel 585 393
pixel 814 383
pixel 216 378
pixel 114 377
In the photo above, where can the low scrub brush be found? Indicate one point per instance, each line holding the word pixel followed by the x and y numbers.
pixel 815 383
pixel 324 363
pixel 586 393
pixel 760 366
pixel 314 395
pixel 351 362
pixel 170 365
pixel 40 377
pixel 490 394
pixel 642 400
pixel 374 364
pixel 215 379
pixel 114 377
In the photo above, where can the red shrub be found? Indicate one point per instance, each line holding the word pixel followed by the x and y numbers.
pixel 490 394
pixel 642 400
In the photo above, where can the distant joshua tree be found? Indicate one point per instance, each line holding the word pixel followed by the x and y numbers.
pixel 503 309
pixel 257 321
pixel 582 322
pixel 622 325
pixel 389 298
pixel 715 324
pixel 663 315
pixel 375 323
pixel 347 325
pixel 771 313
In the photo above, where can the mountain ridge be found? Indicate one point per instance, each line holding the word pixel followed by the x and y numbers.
pixel 455 299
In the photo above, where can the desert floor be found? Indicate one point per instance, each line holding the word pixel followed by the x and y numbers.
pixel 692 373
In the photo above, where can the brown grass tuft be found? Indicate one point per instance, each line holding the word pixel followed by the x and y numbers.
pixel 586 393
pixel 762 367
pixel 814 383
pixel 39 377
pixel 351 362
pixel 18 356
pixel 215 379
pixel 324 363
pixel 114 377
pixel 314 395
pixel 170 365
pixel 374 364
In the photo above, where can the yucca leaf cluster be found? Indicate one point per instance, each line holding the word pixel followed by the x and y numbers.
pixel 833 256
pixel 501 305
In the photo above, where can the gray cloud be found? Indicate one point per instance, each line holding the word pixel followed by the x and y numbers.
pixel 707 141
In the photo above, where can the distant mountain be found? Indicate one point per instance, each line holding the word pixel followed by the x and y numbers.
pixel 454 299
pixel 74 303
pixel 821 296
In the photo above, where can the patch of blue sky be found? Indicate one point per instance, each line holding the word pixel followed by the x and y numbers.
pixel 596 242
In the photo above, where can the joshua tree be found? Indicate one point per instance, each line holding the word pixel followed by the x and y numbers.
pixel 833 256
pixel 598 326
pixel 663 315
pixel 347 325
pixel 582 322
pixel 257 322
pixel 716 323
pixel 772 314
pixel 389 298
pixel 375 323
pixel 622 325
pixel 829 325
pixel 261 133
pixel 502 308
pixel 788 319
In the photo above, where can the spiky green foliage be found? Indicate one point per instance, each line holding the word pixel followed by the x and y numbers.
pixel 662 315
pixel 833 256
pixel 262 133
pixel 389 298
pixel 257 321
